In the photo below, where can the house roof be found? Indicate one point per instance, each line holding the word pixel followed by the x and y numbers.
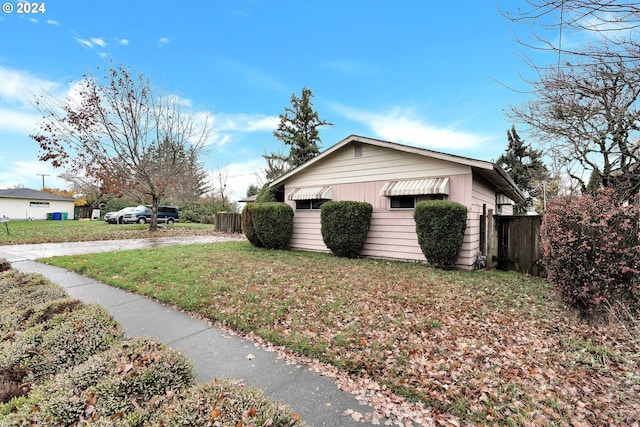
pixel 249 199
pixel 27 193
pixel 490 171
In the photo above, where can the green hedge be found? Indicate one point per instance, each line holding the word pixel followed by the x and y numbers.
pixel 344 226
pixel 266 194
pixel 273 224
pixel 248 228
pixel 440 226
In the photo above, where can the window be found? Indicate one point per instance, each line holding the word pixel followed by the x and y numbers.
pixel 410 202
pixel 38 204
pixel 310 203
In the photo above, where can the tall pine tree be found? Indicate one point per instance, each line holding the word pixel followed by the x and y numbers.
pixel 525 166
pixel 298 128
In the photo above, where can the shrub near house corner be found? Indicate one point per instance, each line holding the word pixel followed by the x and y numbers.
pixel 248 228
pixel 273 224
pixel 440 226
pixel 591 251
pixel 344 226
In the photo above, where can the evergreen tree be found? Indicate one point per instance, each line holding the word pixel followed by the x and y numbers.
pixel 595 181
pixel 277 165
pixel 298 128
pixel 525 166
pixel 252 190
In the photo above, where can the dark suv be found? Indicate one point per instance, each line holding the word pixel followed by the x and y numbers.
pixel 142 214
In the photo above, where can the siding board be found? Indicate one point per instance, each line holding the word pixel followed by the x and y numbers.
pixel 392 232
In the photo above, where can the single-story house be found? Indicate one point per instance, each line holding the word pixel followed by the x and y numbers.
pixel 393 178
pixel 24 203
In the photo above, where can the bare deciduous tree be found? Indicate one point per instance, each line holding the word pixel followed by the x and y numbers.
pixel 116 130
pixel 610 23
pixel 588 117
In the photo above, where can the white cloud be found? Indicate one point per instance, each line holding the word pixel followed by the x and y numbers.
pixel 92 42
pixel 239 177
pixel 19 122
pixel 98 41
pixel 19 86
pixel 164 40
pixel 34 20
pixel 26 174
pixel 224 126
pixel 123 42
pixel 401 125
pixel 245 122
pixel 83 42
pixel 53 22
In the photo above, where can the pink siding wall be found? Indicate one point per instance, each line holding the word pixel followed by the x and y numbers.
pixel 481 194
pixel 306 231
pixel 392 233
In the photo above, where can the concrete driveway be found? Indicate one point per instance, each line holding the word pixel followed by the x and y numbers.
pixel 45 250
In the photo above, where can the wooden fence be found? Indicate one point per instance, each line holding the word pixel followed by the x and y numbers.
pixel 517 244
pixel 511 242
pixel 229 222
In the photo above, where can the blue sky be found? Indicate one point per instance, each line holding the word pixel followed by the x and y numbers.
pixel 422 73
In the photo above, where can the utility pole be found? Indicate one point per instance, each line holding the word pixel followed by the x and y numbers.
pixel 42 175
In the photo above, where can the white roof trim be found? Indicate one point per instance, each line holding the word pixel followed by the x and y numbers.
pixel 494 173
pixel 416 187
pixel 311 193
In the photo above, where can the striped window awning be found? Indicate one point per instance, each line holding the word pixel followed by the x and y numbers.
pixel 311 193
pixel 502 199
pixel 416 187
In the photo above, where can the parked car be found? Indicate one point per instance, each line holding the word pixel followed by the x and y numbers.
pixel 117 217
pixel 142 214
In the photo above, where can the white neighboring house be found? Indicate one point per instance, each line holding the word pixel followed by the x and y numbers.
pixel 24 203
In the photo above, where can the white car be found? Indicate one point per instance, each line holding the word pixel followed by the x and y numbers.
pixel 117 217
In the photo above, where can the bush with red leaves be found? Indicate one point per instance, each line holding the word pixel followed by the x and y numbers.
pixel 591 250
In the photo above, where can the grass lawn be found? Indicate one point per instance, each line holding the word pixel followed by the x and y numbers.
pixel 23 232
pixel 487 347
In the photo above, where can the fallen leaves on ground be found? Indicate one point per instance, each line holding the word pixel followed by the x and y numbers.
pixel 420 345
pixel 462 348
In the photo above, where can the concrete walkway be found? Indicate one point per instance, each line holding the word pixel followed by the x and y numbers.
pixel 215 354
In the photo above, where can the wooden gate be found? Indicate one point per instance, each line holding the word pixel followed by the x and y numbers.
pixel 517 244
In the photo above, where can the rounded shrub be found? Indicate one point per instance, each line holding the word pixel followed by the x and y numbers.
pixel 190 215
pixel 344 226
pixel 273 224
pixel 248 228
pixel 591 251
pixel 440 225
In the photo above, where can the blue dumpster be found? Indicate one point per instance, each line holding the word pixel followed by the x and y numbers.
pixel 57 216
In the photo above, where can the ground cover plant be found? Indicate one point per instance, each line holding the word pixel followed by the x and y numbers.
pixel 64 363
pixel 24 232
pixel 487 347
